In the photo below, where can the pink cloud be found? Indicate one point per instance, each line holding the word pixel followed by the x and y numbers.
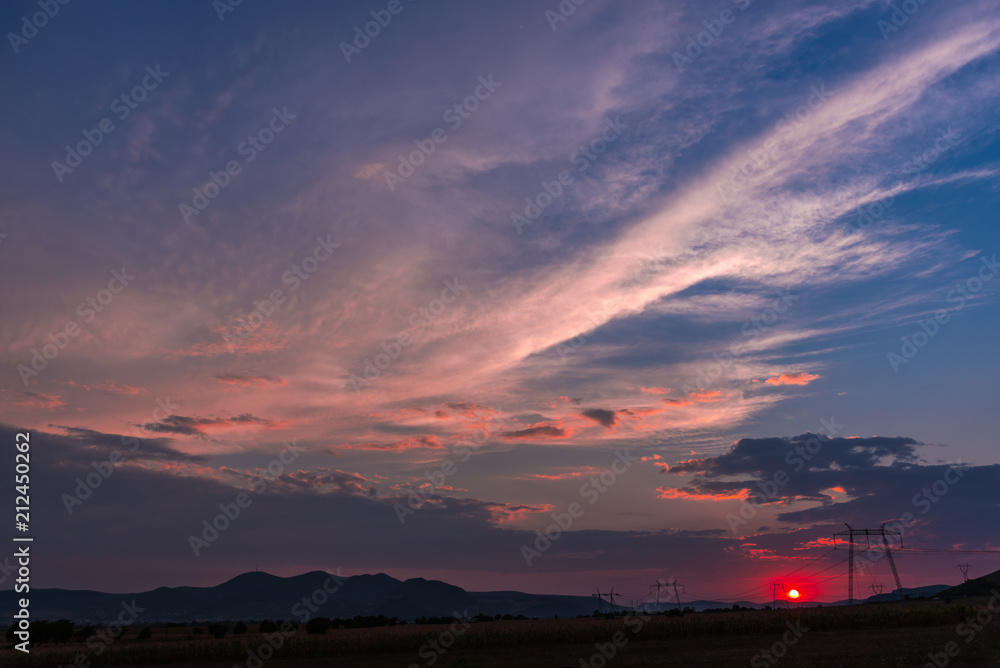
pixel 673 493
pixel 38 400
pixel 242 380
pixel 109 387
pixel 409 443
pixel 801 378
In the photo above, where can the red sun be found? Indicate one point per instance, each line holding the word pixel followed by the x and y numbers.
pixel 794 593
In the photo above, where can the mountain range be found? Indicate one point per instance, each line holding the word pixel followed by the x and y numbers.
pixel 258 595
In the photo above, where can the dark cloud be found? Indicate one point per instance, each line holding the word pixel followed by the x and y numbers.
pixel 193 426
pixel 327 519
pixel 602 416
pixel 764 456
pixel 86 444
pixel 544 431
pixel 244 380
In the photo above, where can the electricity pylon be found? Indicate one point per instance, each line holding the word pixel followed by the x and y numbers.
pixel 868 534
pixel 775 588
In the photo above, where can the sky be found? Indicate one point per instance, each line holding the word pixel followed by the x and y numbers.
pixel 525 295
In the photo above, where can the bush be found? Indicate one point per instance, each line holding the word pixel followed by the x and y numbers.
pixel 218 630
pixel 62 630
pixel 267 626
pixel 318 625
pixel 41 631
pixel 240 628
pixel 145 634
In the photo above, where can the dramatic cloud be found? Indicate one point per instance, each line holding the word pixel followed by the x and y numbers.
pixel 194 426
pixel 800 378
pixel 601 416
pixel 541 432
pixel 241 380
pixel 616 254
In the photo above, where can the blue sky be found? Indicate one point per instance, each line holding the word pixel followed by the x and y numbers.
pixel 681 230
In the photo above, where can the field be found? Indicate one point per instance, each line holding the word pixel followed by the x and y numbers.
pixel 871 635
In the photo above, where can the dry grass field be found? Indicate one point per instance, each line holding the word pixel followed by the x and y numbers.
pixel 887 635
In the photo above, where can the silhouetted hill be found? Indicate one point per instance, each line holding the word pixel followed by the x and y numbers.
pixel 981 586
pixel 265 596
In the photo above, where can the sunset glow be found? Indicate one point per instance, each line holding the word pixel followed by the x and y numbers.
pixel 486 293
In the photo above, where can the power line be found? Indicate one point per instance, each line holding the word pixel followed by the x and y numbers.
pixel 736 597
pixel 943 550
pixel 786 575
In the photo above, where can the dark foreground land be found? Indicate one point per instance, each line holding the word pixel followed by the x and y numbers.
pixel 911 635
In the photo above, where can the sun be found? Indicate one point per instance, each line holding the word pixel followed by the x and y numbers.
pixel 794 593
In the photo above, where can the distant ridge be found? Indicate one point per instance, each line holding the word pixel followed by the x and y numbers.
pixel 259 595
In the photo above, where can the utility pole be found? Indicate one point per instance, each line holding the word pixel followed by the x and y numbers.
pixel 965 571
pixel 868 534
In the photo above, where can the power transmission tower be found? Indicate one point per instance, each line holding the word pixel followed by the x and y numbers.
pixel 600 601
pixel 877 590
pixel 611 597
pixel 775 588
pixel 659 584
pixel 965 571
pixel 868 534
pixel 677 596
